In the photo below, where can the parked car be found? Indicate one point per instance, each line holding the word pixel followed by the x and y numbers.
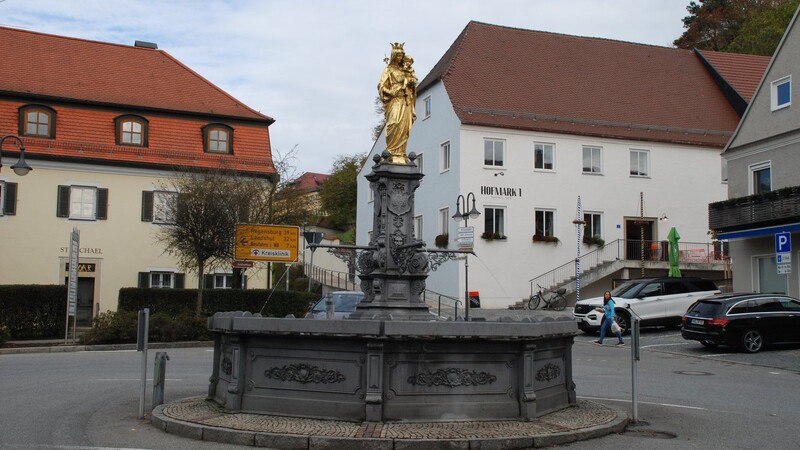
pixel 655 301
pixel 344 303
pixel 747 321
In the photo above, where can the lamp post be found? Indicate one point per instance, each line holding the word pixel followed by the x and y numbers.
pixel 21 168
pixel 458 217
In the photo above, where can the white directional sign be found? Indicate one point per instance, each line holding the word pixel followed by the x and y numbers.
pixel 784 269
pixel 466 229
pixel 783 258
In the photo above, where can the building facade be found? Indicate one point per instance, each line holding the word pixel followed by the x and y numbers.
pixel 763 181
pixel 105 128
pixel 529 122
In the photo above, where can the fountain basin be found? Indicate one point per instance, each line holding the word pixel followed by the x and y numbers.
pixel 375 370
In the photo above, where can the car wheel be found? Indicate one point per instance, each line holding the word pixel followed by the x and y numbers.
pixel 624 321
pixel 752 341
pixel 709 344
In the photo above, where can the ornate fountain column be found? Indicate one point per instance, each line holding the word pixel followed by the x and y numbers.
pixel 393 274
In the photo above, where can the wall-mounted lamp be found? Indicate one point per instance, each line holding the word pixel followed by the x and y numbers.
pixel 663 217
pixel 21 168
pixel 500 173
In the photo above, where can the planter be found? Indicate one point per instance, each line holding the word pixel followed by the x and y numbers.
pixel 492 236
pixel 543 238
pixel 442 240
pixel 594 240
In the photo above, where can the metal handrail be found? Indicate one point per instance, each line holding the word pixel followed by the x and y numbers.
pixel 332 278
pixel 621 249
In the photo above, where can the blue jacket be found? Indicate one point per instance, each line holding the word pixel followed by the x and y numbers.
pixel 609 308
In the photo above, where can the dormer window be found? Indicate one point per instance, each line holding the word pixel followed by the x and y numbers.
pixel 131 130
pixel 37 121
pixel 218 138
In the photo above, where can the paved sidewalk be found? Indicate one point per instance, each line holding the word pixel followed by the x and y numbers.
pixel 201 419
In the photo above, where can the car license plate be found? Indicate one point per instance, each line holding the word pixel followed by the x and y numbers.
pixel 697 322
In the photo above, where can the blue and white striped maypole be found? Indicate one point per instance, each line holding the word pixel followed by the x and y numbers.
pixel 578 228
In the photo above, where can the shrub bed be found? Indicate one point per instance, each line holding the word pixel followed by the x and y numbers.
pixel 33 311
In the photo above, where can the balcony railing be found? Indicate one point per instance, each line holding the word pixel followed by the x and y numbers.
pixel 771 208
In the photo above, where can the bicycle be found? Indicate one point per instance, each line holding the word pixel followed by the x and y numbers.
pixel 553 300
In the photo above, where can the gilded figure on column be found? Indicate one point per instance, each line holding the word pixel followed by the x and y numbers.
pixel 397 89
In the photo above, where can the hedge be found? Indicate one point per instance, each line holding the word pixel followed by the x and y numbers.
pixel 180 301
pixel 33 311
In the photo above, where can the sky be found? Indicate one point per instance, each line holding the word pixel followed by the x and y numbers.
pixel 313 65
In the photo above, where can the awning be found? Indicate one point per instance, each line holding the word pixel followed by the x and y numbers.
pixel 757 232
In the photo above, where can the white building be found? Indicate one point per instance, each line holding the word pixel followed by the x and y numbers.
pixel 529 121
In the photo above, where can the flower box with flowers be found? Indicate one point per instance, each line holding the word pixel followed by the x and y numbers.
pixel 545 238
pixel 594 240
pixel 492 236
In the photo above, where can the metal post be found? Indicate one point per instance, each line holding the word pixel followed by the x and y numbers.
pixel 634 362
pixel 312 268
pixel 159 375
pixel 144 321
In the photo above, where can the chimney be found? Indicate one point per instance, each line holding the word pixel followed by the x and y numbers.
pixel 145 44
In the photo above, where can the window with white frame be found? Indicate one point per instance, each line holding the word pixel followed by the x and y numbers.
pixel 545 222
pixel 370 194
pixel 543 156
pixel 493 152
pixel 592 159
pixel 444 157
pixel 82 202
pixel 781 93
pixel 494 223
pixel 161 280
pixel 444 221
pixel 640 163
pixel 427 106
pixel 418 227
pixel 761 178
pixel 593 225
pixel 420 162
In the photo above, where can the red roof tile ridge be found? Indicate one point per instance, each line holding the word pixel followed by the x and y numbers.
pixel 214 86
pixel 72 38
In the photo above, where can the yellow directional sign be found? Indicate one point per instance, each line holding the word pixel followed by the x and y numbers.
pixel 277 243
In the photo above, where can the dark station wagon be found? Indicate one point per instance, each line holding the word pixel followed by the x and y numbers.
pixel 747 321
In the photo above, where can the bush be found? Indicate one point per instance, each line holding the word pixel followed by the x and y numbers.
pixel 120 328
pixel 4 334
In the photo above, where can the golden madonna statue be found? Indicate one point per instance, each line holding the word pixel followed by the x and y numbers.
pixel 397 90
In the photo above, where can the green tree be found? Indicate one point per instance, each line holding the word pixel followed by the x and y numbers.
pixel 761 34
pixel 339 194
pixel 741 26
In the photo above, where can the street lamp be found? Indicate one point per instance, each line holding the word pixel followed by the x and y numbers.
pixel 458 217
pixel 21 168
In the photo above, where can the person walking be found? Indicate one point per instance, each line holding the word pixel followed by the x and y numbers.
pixel 609 320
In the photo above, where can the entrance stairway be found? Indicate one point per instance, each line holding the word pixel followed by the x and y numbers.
pixel 624 254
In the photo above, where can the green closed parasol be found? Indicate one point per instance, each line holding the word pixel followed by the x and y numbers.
pixel 674 253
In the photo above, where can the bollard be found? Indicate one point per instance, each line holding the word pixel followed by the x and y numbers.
pixel 330 308
pixel 159 375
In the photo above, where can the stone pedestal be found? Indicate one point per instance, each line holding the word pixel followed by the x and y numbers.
pixel 393 274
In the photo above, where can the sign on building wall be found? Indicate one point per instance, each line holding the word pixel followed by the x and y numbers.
pixel 275 243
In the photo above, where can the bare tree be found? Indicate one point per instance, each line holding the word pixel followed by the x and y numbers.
pixel 210 203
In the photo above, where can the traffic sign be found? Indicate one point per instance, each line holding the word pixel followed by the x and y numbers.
pixel 466 235
pixel 783 258
pixel 784 269
pixel 466 240
pixel 783 242
pixel 465 229
pixel 277 243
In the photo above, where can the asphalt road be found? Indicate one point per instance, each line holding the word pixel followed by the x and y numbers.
pixel 688 396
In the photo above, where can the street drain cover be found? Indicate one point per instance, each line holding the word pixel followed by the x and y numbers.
pixel 654 434
pixel 693 372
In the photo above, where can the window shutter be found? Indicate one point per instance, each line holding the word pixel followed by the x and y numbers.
pixel 62 204
pixel 147 206
pixel 102 204
pixel 208 281
pixel 180 281
pixel 144 279
pixel 10 206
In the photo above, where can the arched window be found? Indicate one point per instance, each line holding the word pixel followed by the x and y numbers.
pixel 217 138
pixel 37 121
pixel 131 130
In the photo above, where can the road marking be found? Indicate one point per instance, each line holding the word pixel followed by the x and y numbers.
pixel 665 345
pixel 644 403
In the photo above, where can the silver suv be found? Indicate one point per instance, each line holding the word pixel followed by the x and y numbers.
pixel 655 301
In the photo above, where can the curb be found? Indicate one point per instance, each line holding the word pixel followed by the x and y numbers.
pixel 102 348
pixel 278 441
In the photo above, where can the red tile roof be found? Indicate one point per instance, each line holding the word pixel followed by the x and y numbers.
pixel 310 181
pixel 513 78
pixel 742 72
pixel 88 71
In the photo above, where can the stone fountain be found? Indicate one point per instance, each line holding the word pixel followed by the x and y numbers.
pixel 392 360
